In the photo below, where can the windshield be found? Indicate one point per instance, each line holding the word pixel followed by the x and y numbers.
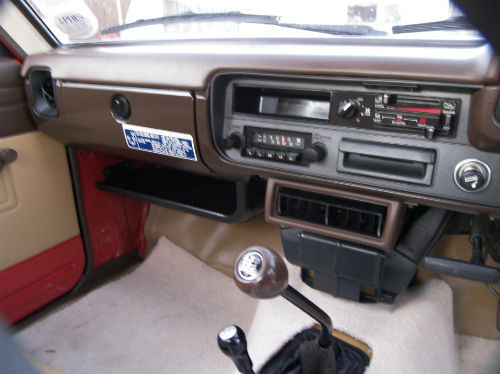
pixel 83 21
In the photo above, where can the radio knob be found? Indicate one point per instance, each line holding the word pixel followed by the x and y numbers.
pixel 235 140
pixel 315 153
pixel 348 109
pixel 472 175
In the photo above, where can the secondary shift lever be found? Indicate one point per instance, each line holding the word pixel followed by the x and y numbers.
pixel 233 343
pixel 261 273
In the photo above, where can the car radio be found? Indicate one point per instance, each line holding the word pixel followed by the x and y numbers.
pixel 281 146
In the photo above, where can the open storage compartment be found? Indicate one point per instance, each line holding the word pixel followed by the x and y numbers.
pixel 218 199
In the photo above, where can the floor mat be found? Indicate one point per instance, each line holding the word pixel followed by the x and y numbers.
pixel 164 318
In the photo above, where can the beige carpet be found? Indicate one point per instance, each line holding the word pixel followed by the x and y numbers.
pixel 164 318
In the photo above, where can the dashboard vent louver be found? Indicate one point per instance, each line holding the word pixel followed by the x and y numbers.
pixel 43 93
pixel 341 213
pixel 48 92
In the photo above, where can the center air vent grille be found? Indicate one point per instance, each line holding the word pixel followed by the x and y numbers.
pixel 340 213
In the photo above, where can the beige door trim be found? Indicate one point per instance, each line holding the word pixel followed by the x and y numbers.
pixel 37 209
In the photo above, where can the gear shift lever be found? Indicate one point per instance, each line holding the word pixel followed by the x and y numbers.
pixel 261 273
pixel 233 343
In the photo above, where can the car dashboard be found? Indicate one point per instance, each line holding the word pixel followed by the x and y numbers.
pixel 336 139
pixel 414 110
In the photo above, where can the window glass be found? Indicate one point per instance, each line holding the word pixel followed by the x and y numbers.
pixel 80 21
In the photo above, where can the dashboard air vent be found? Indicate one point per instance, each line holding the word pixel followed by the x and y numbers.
pixel 341 213
pixel 43 93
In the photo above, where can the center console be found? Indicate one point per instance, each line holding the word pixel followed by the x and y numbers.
pixel 404 136
pixel 368 144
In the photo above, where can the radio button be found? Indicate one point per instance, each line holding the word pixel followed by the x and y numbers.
pixel 430 132
pixel 292 157
pixel 447 122
pixel 270 155
pixel 280 156
pixel 260 153
pixel 250 152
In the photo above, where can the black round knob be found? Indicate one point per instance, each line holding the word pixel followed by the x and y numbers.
pixel 315 153
pixel 260 272
pixel 8 155
pixel 348 109
pixel 233 343
pixel 234 140
pixel 120 107
pixel 472 175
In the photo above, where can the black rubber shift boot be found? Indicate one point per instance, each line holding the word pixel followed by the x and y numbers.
pixel 303 355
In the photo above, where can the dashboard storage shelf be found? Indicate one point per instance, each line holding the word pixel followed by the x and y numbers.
pixel 217 199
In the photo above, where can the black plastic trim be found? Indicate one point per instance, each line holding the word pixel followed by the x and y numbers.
pixel 347 270
pixel 208 197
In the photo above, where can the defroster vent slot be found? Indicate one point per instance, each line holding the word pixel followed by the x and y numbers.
pixel 332 211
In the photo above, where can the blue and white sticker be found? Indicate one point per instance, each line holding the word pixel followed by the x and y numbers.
pixel 167 143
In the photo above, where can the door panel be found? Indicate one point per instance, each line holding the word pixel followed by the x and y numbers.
pixel 37 209
pixel 41 251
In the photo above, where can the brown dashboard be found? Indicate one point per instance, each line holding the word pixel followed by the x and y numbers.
pixel 189 88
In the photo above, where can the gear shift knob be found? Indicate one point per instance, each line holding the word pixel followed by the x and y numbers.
pixel 260 272
pixel 233 343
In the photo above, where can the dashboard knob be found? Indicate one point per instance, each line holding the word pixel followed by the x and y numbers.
pixel 120 107
pixel 235 140
pixel 472 175
pixel 430 132
pixel 315 153
pixel 348 109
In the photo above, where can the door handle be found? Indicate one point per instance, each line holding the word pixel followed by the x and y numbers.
pixel 7 156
